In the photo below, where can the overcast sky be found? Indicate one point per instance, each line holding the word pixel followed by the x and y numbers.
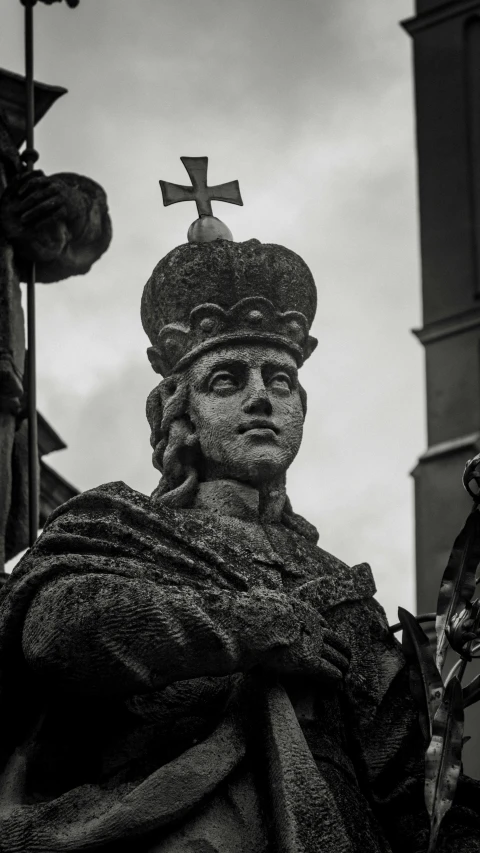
pixel 309 104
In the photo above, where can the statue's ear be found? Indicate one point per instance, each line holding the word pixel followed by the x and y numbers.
pixel 310 346
pixel 157 361
pixel 303 399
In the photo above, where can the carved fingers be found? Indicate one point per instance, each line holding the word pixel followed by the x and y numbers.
pixel 335 656
pixel 27 182
pixel 318 652
pixel 37 199
pixel 40 214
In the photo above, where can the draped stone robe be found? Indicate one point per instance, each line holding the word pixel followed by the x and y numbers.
pixel 139 713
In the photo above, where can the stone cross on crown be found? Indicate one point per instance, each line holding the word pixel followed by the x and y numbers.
pixel 207 227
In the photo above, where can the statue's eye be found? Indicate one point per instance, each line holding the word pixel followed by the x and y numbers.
pixel 280 382
pixel 223 381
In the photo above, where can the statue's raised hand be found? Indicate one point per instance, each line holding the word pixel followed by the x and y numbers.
pixel 39 215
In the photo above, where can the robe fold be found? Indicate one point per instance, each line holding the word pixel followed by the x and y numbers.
pixel 141 712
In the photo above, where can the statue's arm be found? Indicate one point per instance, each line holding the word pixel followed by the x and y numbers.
pixel 390 746
pixel 109 634
pixel 61 222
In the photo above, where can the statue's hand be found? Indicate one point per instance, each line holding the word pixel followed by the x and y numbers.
pixel 39 215
pixel 318 652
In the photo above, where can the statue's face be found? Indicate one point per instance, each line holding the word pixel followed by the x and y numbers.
pixel 246 409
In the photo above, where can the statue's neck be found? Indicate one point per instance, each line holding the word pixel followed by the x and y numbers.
pixel 241 500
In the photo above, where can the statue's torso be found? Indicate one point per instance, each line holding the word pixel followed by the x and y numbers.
pixel 95 749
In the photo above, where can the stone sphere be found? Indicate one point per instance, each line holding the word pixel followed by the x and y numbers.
pixel 208 228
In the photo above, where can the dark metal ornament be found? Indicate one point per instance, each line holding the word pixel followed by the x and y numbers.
pixel 443 759
pixel 30 156
pixel 471 475
pixel 21 115
pixel 207 227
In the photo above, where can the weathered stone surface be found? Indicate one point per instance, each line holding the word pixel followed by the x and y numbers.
pixel 190 671
pixel 263 279
pixel 224 272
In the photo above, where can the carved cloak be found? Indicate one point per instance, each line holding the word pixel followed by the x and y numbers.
pixel 136 716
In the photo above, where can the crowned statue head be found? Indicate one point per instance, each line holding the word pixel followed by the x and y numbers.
pixel 229 329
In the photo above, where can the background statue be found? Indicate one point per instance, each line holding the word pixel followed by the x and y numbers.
pixel 190 671
pixel 61 222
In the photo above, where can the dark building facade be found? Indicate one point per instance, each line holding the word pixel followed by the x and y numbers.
pixel 446 51
pixel 54 489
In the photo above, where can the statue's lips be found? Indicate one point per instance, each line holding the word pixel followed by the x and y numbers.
pixel 259 427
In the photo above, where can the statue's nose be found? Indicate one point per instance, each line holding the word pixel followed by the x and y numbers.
pixel 258 401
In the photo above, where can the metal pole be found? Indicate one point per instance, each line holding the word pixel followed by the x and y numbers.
pixel 30 156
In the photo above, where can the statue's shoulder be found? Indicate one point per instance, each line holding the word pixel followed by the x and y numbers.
pixel 337 580
pixel 105 499
pixel 112 512
pixel 114 529
pixel 341 582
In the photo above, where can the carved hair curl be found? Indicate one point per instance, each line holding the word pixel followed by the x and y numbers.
pixel 175 445
pixel 176 449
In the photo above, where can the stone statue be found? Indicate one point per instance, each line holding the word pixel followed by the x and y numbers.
pixel 190 671
pixel 60 222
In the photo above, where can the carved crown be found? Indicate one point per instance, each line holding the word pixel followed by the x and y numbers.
pixel 201 296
